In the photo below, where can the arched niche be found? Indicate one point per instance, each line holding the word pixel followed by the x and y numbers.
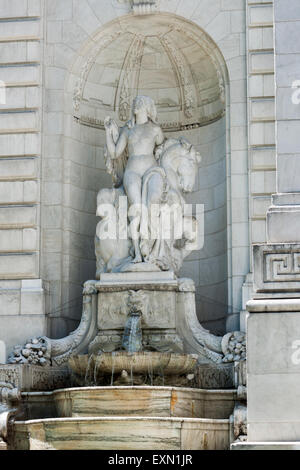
pixel 176 63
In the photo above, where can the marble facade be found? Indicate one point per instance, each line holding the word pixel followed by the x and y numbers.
pixel 214 69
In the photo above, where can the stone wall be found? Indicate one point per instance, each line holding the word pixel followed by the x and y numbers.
pixel 47 206
pixel 208 267
pixel 21 52
pixel 261 113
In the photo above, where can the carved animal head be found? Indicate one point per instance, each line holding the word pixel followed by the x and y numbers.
pixel 137 301
pixel 183 158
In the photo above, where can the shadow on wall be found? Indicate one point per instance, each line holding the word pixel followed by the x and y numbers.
pixel 2 352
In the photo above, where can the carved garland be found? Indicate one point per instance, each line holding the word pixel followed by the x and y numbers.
pixel 132 68
pixel 182 67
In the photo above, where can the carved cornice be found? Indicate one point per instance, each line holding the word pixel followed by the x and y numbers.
pixel 166 126
pixel 141 7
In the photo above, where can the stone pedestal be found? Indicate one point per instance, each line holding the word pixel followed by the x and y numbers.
pixel 169 321
pixel 273 341
pixel 158 296
pixel 273 323
pixel 273 345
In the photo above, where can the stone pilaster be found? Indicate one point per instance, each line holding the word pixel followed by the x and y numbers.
pixel 283 218
pixel 273 323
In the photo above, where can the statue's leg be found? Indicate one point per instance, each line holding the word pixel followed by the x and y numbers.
pixel 133 186
pixel 155 189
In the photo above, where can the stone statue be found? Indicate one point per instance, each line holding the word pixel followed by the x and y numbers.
pixel 153 172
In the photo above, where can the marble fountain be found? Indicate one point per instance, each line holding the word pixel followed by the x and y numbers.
pixel 139 372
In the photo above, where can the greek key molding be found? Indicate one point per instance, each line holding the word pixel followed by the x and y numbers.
pixel 282 267
pixel 277 268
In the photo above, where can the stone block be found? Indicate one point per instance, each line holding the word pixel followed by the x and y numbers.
pixel 260 15
pixel 263 158
pixel 286 108
pixel 263 110
pixel 276 265
pixel 32 297
pixel 13 169
pixel 287 11
pixel 261 62
pixel 57 10
pixel 2 352
pixel 18 74
pixel 263 182
pixel 113 310
pixel 19 329
pixel 13 8
pixel 287 37
pixel 262 133
pixel 54 31
pixel 34 7
pixel 18 121
pixel 28 378
pixel 279 223
pixel 258 231
pixel 18 265
pixel 273 332
pixel 259 206
pixel 84 16
pixel 215 376
pixel 287 69
pixel 21 28
pixel 288 167
pixel 9 301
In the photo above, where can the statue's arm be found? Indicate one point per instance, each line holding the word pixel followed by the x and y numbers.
pixel 116 142
pixel 121 143
pixel 160 136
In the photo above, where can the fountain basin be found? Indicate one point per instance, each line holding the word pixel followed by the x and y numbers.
pixel 139 363
pixel 124 418
pixel 121 433
pixel 144 401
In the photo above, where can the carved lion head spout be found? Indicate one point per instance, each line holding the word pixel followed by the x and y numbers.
pixel 137 301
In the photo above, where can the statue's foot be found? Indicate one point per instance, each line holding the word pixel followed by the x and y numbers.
pixel 137 259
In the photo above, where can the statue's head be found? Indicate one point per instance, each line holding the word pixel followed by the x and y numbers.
pixel 146 103
pixel 188 167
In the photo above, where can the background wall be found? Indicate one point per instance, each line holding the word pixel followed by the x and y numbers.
pixel 65 182
pixel 21 73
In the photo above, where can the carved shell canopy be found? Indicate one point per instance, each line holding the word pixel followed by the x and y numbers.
pixel 152 55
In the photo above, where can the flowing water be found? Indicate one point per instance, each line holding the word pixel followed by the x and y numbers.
pixel 132 338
